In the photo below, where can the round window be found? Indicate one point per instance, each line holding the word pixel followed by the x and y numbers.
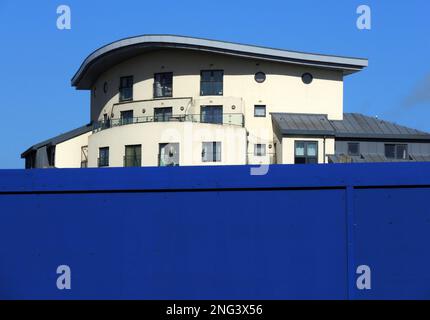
pixel 307 78
pixel 260 77
pixel 105 87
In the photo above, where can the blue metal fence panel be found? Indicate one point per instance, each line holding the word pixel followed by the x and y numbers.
pixel 216 232
pixel 392 236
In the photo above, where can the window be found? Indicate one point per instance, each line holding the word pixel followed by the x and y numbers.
pixel 211 152
pixel 163 84
pixel 307 78
pixel 211 83
pixel 353 148
pixel 396 151
pixel 133 156
pixel 126 117
pixel 126 88
pixel 169 154
pixel 259 150
pixel 306 152
pixel 259 111
pixel 260 77
pixel 162 114
pixel 211 114
pixel 103 157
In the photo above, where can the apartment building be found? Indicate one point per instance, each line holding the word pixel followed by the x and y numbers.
pixel 163 100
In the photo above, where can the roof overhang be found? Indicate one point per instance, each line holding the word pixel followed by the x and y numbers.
pixel 59 139
pixel 301 125
pixel 116 52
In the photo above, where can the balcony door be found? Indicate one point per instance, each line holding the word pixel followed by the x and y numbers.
pixel 163 84
pixel 168 154
pixel 163 114
pixel 306 152
pixel 126 117
pixel 211 82
pixel 211 114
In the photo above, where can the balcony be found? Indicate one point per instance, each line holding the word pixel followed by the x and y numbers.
pixel 235 119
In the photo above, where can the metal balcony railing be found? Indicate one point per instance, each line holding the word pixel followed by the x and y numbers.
pixel 236 119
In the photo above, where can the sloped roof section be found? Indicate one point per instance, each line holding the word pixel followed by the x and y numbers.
pixel 362 126
pixel 60 138
pixel 116 52
pixel 353 125
pixel 303 124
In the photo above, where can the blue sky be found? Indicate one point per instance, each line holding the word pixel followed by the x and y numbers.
pixel 37 60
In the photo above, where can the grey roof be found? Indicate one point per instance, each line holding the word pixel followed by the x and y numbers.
pixel 361 126
pixel 118 51
pixel 353 125
pixel 60 138
pixel 302 124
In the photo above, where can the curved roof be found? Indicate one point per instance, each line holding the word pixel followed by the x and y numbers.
pixel 118 51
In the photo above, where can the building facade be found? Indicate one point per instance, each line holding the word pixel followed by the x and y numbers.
pixel 161 100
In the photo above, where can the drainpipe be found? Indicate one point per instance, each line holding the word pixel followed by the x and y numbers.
pixel 324 150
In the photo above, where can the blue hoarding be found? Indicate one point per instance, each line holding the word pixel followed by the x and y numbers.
pixel 354 231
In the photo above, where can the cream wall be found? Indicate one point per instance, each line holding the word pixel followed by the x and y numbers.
pixel 283 90
pixel 288 148
pixel 68 153
pixel 189 136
